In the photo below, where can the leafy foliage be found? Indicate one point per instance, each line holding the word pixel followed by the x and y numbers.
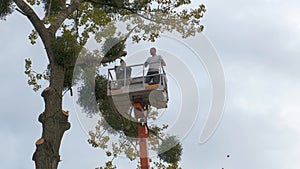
pixel 6 8
pixel 111 116
pixel 85 75
pixel 168 154
pixel 113 46
pixel 147 19
pixel 66 50
pixel 53 7
pixel 97 90
pixel 33 76
pixel 33 37
pixel 160 165
pixel 108 4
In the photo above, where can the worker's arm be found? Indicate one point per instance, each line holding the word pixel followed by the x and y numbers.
pixel 163 63
pixel 146 63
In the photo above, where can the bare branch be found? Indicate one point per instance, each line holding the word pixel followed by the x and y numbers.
pixel 21 11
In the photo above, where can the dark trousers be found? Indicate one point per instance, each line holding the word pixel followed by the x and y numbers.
pixel 151 76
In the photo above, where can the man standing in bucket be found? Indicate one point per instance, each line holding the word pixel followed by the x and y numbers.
pixel 123 73
pixel 154 62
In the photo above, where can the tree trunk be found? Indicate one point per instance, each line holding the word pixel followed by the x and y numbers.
pixel 54 121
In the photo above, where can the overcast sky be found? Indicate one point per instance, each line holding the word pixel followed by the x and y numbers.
pixel 257 42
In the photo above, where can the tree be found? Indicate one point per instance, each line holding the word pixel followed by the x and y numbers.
pixel 64 30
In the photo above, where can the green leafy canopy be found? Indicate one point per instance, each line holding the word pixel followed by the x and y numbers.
pixel 6 8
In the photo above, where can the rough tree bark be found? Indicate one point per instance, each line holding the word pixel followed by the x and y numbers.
pixel 54 121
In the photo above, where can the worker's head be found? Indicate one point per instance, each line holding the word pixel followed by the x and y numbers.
pixel 153 51
pixel 123 63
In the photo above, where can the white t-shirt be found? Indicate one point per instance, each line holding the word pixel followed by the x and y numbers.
pixel 155 62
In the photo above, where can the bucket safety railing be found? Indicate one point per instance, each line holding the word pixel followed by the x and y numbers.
pixel 133 74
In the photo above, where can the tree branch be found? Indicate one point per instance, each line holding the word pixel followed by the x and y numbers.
pixel 21 11
pixel 87 61
pixel 151 131
pixel 111 59
pixel 135 11
pixel 64 14
pixel 131 10
pixel 37 23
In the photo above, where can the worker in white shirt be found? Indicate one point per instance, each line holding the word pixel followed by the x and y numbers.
pixel 155 62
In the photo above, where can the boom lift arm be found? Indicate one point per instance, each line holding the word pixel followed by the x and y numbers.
pixel 143 135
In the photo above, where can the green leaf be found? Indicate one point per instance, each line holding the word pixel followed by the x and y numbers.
pixel 33 37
